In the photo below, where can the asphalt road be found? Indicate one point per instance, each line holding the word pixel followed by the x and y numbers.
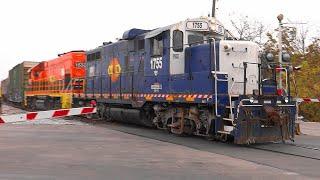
pixel 300 165
pixel 73 149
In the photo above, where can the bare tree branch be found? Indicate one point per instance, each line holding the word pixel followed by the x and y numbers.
pixel 249 30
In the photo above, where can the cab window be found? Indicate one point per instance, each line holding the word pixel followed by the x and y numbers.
pixel 91 70
pixel 194 39
pixel 157 45
pixel 177 41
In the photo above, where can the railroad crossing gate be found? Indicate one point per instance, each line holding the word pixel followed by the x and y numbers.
pixel 31 116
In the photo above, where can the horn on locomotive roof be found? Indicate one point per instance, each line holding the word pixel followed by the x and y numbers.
pixel 106 43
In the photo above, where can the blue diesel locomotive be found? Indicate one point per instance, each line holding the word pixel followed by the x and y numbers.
pixel 190 78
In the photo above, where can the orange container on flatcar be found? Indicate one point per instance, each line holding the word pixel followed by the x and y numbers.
pixel 52 83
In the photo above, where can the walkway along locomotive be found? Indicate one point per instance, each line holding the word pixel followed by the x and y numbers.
pixel 188 79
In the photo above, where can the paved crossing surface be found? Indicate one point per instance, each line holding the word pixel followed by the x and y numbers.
pixel 90 152
pixel 310 128
pixel 73 149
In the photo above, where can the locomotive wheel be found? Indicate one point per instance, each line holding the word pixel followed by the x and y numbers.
pixel 176 127
pixel 189 127
pixel 101 111
pixel 33 104
pixel 179 123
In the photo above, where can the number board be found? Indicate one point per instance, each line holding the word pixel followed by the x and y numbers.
pixel 197 26
pixel 80 65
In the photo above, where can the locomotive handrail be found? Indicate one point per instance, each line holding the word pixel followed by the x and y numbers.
pixel 230 103
pixel 240 104
pixel 215 74
pixel 222 80
pixel 230 98
pixel 286 70
pixel 252 63
pixel 245 66
pixel 237 67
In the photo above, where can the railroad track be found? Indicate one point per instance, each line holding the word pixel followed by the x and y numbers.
pixel 304 151
pixel 306 146
pixel 290 149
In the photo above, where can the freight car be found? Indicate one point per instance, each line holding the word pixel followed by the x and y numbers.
pixel 18 79
pixel 52 83
pixel 4 89
pixel 187 78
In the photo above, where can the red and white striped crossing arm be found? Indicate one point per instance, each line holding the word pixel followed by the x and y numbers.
pixel 31 116
pixel 308 100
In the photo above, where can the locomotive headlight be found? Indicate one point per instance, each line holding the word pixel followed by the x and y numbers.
pixel 251 100
pixel 270 57
pixel 286 99
pixel 286 57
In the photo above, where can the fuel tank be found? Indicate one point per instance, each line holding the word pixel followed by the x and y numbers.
pixel 132 116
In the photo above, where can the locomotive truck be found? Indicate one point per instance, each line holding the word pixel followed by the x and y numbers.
pixel 191 78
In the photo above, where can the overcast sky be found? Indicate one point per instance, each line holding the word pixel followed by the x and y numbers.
pixel 38 30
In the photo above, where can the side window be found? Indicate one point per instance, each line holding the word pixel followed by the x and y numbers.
pixel 91 70
pixel 141 44
pixel 36 74
pixel 94 56
pixel 129 67
pixel 98 56
pixel 131 45
pixel 141 63
pixel 89 57
pixel 177 41
pixel 157 46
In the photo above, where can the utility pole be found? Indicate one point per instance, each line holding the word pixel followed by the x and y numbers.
pixel 213 13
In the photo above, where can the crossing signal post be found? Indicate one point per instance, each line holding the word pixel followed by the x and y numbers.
pixel 280 18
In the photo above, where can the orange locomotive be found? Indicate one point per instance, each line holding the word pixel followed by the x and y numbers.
pixel 52 83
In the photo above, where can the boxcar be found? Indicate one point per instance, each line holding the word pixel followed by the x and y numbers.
pixel 4 88
pixel 18 79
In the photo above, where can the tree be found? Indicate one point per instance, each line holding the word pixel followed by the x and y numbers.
pixel 249 30
pixel 301 39
pixel 308 79
pixel 314 47
pixel 288 41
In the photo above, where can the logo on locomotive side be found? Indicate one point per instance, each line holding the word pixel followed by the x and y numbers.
pixel 114 69
pixel 156 87
pixel 156 65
